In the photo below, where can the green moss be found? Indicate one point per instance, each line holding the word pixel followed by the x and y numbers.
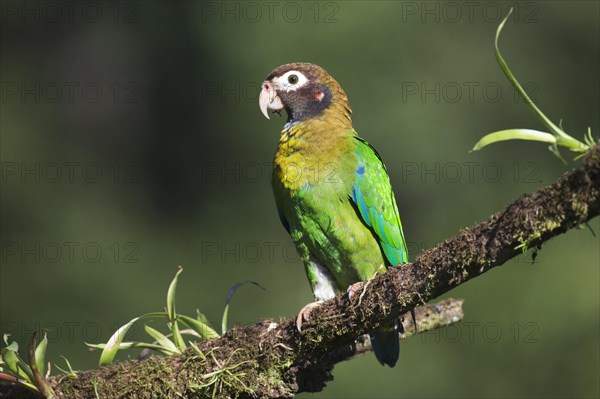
pixel 579 207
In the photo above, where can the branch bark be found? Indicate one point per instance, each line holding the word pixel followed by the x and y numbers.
pixel 273 360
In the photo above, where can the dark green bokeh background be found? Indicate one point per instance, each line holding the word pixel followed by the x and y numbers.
pixel 194 187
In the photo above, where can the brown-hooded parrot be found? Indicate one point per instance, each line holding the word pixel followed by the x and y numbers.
pixel 332 191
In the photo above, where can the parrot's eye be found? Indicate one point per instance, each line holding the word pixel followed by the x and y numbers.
pixel 291 80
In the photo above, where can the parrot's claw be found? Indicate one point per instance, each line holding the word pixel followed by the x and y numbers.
pixel 362 286
pixel 304 314
pixel 354 289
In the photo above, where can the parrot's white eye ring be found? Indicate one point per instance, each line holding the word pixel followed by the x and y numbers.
pixel 291 81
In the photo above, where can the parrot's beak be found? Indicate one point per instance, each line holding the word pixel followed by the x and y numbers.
pixel 269 100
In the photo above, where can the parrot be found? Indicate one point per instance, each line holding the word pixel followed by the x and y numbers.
pixel 333 192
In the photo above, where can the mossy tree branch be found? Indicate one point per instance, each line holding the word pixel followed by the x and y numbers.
pixel 274 360
pixel 145 379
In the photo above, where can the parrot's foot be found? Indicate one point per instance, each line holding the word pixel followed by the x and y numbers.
pixel 362 286
pixel 354 289
pixel 304 314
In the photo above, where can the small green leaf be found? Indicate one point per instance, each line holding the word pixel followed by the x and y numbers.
pixel 203 329
pixel 553 148
pixel 14 347
pixel 9 358
pixel 224 319
pixel 128 345
pixel 69 371
pixel 40 354
pixel 588 138
pixel 198 350
pixel 514 134
pixel 112 346
pixel 177 337
pixel 171 296
pixel 162 340
pixel 201 317
pixel 16 365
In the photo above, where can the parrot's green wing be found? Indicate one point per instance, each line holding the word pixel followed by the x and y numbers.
pixel 373 196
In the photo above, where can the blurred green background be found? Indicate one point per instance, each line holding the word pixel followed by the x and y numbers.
pixel 132 143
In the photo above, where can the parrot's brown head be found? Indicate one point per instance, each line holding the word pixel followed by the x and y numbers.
pixel 305 91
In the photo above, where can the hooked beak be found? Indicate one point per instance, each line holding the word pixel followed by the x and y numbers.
pixel 269 100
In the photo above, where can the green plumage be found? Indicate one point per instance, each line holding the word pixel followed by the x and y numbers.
pixel 342 211
pixel 334 197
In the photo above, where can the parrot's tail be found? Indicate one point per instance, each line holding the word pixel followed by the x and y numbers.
pixel 386 343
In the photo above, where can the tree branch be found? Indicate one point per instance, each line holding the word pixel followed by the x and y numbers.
pixel 429 317
pixel 274 360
